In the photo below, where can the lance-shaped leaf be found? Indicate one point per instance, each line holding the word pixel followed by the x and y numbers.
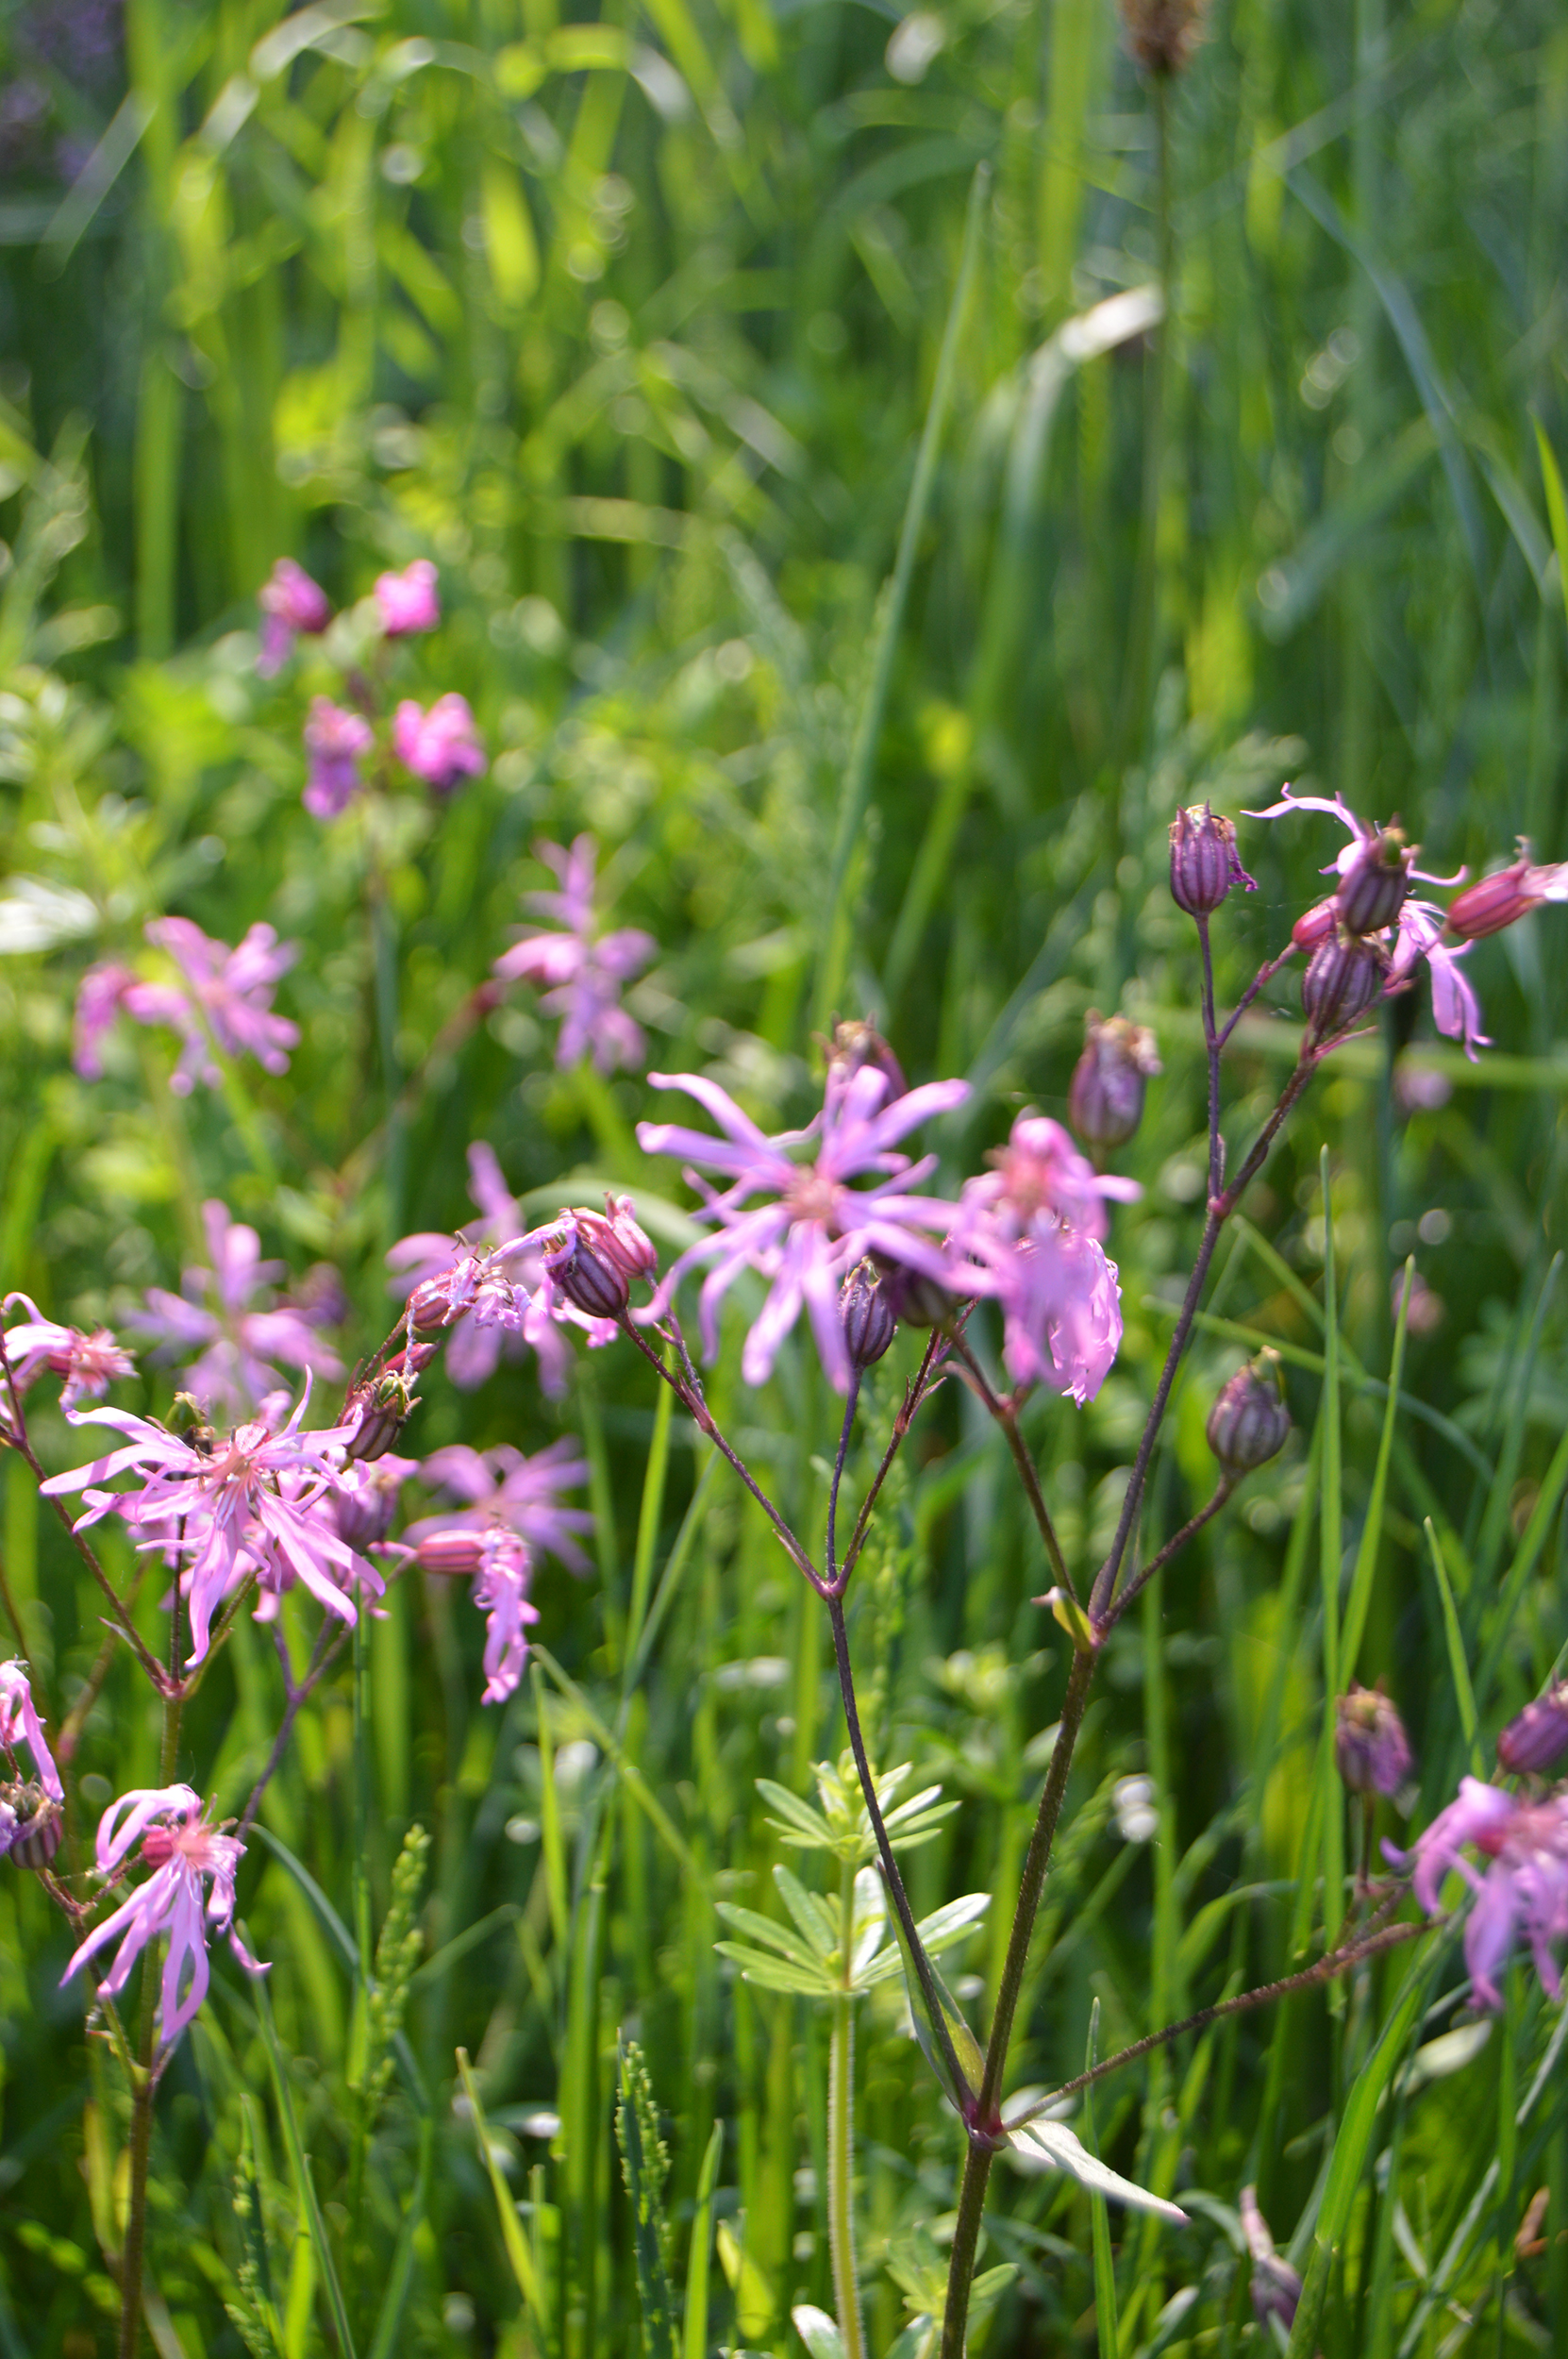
pixel 952 2051
pixel 1053 2143
pixel 938 1932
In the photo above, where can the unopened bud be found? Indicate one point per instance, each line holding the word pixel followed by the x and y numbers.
pixel 430 1307
pixel 914 1299
pixel 36 1824
pixel 1204 865
pixel 1316 925
pixel 1344 974
pixel 854 1045
pixel 384 1405
pixel 620 1240
pixel 452 1554
pixel 1375 882
pixel 584 1272
pixel 1249 1422
pixel 1370 1749
pixel 1498 901
pixel 1538 1735
pixel 869 1325
pixel 188 1418
pixel 1105 1099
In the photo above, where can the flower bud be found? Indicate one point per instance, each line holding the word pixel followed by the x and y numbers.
pixel 1375 882
pixel 869 1325
pixel 914 1299
pixel 1105 1099
pixel 454 1552
pixel 1500 900
pixel 1538 1735
pixel 384 1405
pixel 854 1045
pixel 619 1238
pixel 431 1308
pixel 1370 1749
pixel 1249 1421
pixel 37 1823
pixel 584 1271
pixel 1314 926
pixel 1204 865
pixel 1344 974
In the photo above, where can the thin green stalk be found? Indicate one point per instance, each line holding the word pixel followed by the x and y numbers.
pixel 841 2138
pixel 1133 716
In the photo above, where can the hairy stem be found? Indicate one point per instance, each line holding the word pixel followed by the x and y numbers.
pixel 1157 1564
pixel 1006 1415
pixel 840 2140
pixel 325 1652
pixel 833 1581
pixel 1212 1042
pixel 925 1376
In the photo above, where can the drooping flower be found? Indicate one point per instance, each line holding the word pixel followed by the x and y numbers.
pixel 408 600
pixel 583 969
pixel 337 742
pixel 223 1505
pixel 1524 1891
pixel 191 1888
pixel 20 1724
pixel 290 602
pixel 89 1364
pixel 501 1566
pixel 228 1316
pixel 813 1226
pixel 1033 1227
pixel 502 1487
pixel 1375 870
pixel 440 746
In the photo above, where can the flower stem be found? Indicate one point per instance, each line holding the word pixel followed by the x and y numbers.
pixel 1157 1564
pixel 1006 1415
pixel 841 2139
pixel 833 1580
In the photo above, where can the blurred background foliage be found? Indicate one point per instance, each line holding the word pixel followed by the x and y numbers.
pixel 633 325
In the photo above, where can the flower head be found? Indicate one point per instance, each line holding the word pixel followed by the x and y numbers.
pixel 227 1315
pixel 191 1888
pixel 1524 1890
pixel 1370 1749
pixel 290 602
pixel 1204 861
pixel 501 1567
pixel 810 1225
pixel 20 1724
pixel 502 1488
pixel 439 746
pixel 583 968
pixel 1502 899
pixel 227 1505
pixel 337 742
pixel 408 600
pixel 89 1364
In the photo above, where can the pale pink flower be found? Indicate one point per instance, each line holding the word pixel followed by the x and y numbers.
pixel 89 1364
pixel 20 1724
pixel 1524 1890
pixel 501 1566
pixel 290 602
pixel 227 1506
pixel 440 746
pixel 225 993
pixel 813 1226
pixel 228 1316
pixel 503 1487
pixel 103 992
pixel 583 968
pixel 1417 929
pixel 337 742
pixel 408 600
pixel 186 1853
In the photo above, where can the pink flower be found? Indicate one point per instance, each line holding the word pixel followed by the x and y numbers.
pixel 337 742
pixel 430 1259
pixel 503 1487
pixel 227 992
pixel 242 1502
pixel 408 600
pixel 1524 1890
pixel 20 1724
pixel 89 1364
pixel 1374 868
pixel 439 746
pixel 183 1850
pixel 584 968
pixel 101 994
pixel 1033 1226
pixel 501 1567
pixel 814 1226
pixel 290 602
pixel 227 1315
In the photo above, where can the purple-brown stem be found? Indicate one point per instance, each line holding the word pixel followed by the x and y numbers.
pixel 837 1583
pixel 1156 1564
pixel 324 1654
pixel 926 1377
pixel 1004 1409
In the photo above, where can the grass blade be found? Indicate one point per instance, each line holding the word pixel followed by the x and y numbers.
pixel 1463 1693
pixel 511 2227
pixel 1372 1531
pixel 699 2258
pixel 299 2167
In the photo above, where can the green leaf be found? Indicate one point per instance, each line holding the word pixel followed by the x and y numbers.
pixel 1557 507
pixel 938 1932
pixel 777 1973
pixel 815 1920
pixel 767 1929
pixel 817 2332
pixel 952 2051
pixel 1052 2142
pixel 802 1823
pixel 1458 1668
pixel 694 2334
pixel 511 2227
pixel 299 2169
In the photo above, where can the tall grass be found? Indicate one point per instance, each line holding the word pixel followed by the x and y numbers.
pixel 876 626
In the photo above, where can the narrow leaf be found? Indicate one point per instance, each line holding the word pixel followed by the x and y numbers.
pixel 299 2167
pixel 1052 2142
pixel 695 2338
pixel 1458 1668
pixel 511 2227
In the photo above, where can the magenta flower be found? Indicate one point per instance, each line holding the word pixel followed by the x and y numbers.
pixel 814 1226
pixel 408 600
pixel 103 992
pixel 228 1316
pixel 439 746
pixel 337 742
pixel 89 1364
pixel 1373 865
pixel 1524 1890
pixel 583 968
pixel 290 602
pixel 431 1261
pixel 503 1487
pixel 227 992
pixel 20 1724
pixel 183 1851
pixel 227 1509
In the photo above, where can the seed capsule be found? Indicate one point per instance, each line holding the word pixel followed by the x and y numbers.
pixel 1375 884
pixel 1204 865
pixel 1249 1421
pixel 1370 1749
pixel 583 1271
pixel 39 1823
pixel 1343 977
pixel 869 1325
